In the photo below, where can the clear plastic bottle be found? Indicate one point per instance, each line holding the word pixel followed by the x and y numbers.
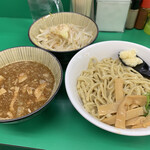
pixel 39 8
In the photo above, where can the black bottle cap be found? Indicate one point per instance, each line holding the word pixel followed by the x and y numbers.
pixel 136 4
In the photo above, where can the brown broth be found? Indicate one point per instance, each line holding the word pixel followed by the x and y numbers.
pixel 24 87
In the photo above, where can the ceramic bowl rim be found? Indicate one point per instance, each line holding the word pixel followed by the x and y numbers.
pixel 48 101
pixel 69 51
pixel 84 113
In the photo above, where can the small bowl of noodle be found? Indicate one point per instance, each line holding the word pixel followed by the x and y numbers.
pixel 108 94
pixel 63 34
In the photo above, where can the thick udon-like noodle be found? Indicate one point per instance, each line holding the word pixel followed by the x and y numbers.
pixel 96 84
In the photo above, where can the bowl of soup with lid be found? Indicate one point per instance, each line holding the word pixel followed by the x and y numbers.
pixel 29 80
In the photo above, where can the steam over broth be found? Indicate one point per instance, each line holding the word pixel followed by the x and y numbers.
pixel 24 87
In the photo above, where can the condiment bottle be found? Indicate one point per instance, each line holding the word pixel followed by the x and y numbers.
pixel 147 26
pixel 142 15
pixel 132 14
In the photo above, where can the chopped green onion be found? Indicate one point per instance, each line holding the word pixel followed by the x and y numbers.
pixel 147 106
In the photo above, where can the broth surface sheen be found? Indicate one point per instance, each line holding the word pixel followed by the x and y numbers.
pixel 24 87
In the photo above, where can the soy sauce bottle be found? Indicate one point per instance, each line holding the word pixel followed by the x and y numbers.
pixel 143 14
pixel 133 13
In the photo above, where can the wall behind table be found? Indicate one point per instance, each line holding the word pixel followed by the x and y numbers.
pixel 20 8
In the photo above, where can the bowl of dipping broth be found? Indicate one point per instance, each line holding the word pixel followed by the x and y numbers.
pixel 63 34
pixel 29 80
pixel 110 95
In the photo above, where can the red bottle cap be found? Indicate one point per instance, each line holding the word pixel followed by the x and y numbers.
pixel 145 4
